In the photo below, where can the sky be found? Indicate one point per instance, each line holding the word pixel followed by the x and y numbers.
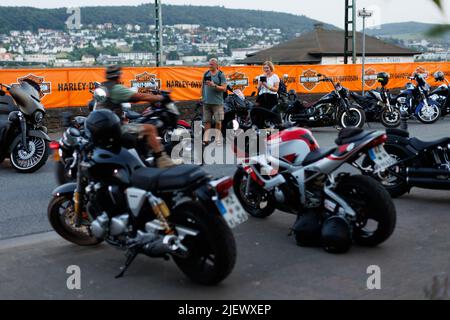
pixel 329 11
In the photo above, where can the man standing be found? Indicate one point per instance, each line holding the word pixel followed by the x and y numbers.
pixel 214 85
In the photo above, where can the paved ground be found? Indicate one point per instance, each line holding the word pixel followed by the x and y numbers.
pixel 269 263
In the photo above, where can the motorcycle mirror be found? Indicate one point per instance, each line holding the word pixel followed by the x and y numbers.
pixel 319 74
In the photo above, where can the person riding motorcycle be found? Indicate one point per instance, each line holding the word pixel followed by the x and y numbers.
pixel 118 94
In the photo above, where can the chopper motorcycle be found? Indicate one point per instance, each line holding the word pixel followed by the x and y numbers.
pixel 179 213
pixel 301 179
pixel 333 109
pixel 23 137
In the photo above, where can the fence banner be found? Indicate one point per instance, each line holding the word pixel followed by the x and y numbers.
pixel 70 87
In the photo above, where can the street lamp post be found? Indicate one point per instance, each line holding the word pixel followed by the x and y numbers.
pixel 158 33
pixel 364 14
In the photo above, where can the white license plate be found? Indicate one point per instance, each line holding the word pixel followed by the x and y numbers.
pixel 381 158
pixel 231 210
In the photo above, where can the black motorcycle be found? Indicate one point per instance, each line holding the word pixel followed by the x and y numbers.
pixel 178 212
pixel 23 137
pixel 421 164
pixel 442 93
pixel 334 109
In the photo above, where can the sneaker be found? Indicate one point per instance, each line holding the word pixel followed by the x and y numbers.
pixel 164 161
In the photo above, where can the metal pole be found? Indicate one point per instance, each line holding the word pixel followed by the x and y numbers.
pixel 364 54
pixel 158 33
pixel 354 30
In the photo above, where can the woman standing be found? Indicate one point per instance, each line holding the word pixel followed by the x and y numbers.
pixel 268 85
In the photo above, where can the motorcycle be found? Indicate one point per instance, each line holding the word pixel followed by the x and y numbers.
pixel 377 106
pixel 23 137
pixel 178 212
pixel 441 94
pixel 415 100
pixel 302 180
pixel 332 109
pixel 421 164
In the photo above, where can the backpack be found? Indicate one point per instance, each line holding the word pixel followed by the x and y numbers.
pixel 220 73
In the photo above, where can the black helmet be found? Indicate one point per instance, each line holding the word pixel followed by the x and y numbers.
pixel 307 229
pixel 439 76
pixel 383 78
pixel 336 237
pixel 113 72
pixel 103 128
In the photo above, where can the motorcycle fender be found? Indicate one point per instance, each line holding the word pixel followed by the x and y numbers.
pixel 65 189
pixel 32 133
pixel 184 123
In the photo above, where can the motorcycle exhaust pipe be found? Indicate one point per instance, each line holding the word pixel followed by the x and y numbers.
pixel 429 183
pixel 163 246
pixel 427 173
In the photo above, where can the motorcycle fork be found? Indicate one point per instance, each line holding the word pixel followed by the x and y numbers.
pixel 23 128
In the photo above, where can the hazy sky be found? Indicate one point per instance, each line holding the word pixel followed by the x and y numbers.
pixel 331 11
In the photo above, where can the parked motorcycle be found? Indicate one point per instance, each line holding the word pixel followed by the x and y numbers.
pixel 377 104
pixel 178 212
pixel 334 109
pixel 421 164
pixel 441 94
pixel 415 100
pixel 23 137
pixel 306 183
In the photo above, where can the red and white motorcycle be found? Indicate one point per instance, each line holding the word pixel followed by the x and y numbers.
pixel 306 182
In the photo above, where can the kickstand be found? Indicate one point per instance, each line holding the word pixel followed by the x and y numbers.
pixel 131 255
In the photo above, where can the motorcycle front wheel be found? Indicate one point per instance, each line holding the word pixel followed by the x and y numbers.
pixel 390 119
pixel 212 253
pixel 354 117
pixel 375 211
pixel 31 160
pixel 430 114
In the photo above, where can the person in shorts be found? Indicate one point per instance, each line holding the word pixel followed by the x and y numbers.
pixel 213 88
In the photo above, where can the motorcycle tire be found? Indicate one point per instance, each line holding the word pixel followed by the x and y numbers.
pixel 59 224
pixel 399 187
pixel 41 161
pixel 371 202
pixel 425 121
pixel 361 118
pixel 254 211
pixel 215 244
pixel 385 114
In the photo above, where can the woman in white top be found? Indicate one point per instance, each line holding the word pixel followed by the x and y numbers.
pixel 268 84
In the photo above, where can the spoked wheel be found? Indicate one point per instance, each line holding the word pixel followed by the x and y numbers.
pixel 352 118
pixel 429 114
pixel 256 201
pixel 375 211
pixel 31 160
pixel 212 253
pixel 65 222
pixel 390 119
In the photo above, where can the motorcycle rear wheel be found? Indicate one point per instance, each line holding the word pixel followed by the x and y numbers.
pixel 371 202
pixel 212 253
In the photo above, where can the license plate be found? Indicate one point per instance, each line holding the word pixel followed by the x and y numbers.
pixel 231 210
pixel 381 158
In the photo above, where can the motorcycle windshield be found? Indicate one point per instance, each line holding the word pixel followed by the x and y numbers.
pixel 27 98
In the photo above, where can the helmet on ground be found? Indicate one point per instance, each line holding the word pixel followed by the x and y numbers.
pixel 113 72
pixel 336 235
pixel 307 229
pixel 104 129
pixel 383 78
pixel 439 76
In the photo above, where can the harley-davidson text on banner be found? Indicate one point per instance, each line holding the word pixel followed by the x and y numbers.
pixel 70 87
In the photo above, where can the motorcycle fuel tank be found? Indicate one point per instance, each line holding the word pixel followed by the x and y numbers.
pixel 292 145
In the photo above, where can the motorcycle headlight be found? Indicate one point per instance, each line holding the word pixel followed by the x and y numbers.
pixel 171 107
pixel 38 116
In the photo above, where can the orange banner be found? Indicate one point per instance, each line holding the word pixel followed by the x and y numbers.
pixel 70 87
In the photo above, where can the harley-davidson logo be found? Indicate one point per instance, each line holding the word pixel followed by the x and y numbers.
pixel 422 71
pixel 46 87
pixel 238 80
pixel 146 82
pixel 370 77
pixel 309 79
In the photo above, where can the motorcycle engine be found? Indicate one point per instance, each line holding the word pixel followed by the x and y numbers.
pixel 104 226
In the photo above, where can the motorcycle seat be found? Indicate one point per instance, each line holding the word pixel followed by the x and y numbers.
pixel 133 115
pixel 422 145
pixel 397 132
pixel 316 155
pixel 349 135
pixel 179 177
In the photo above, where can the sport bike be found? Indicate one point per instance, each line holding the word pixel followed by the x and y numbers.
pixel 303 179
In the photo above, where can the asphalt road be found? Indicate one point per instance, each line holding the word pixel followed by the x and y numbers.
pixel 269 263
